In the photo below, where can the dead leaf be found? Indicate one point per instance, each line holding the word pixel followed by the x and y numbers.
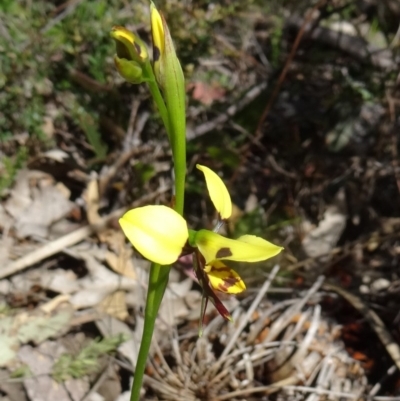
pixel 33 327
pixel 173 308
pixel 99 283
pixel 49 206
pixel 114 305
pixel 111 387
pixel 322 239
pixel 121 264
pixel 92 202
pixel 77 388
pixel 36 203
pixel 20 197
pixel 207 93
pixel 39 328
pixel 5 220
pixel 6 244
pixel 60 281
pixel 14 391
pixel 111 327
pixel 40 361
pixel 8 344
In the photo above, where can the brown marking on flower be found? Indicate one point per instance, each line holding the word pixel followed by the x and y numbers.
pixel 138 48
pixel 156 53
pixel 223 253
pixel 228 283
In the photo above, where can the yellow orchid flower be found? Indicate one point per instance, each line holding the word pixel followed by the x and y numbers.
pixel 247 248
pixel 128 45
pixel 149 229
pixel 161 235
pixel 131 55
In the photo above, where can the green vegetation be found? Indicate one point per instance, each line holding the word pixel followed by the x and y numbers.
pixel 11 165
pixel 87 360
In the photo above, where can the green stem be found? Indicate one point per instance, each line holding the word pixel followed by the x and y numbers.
pixel 158 280
pixel 180 174
pixel 155 92
pixel 176 134
pixel 158 98
pixel 174 119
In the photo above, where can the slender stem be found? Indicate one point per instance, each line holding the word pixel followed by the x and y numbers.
pixel 158 98
pixel 172 112
pixel 158 280
pixel 158 277
pixel 180 175
pixel 177 119
pixel 177 137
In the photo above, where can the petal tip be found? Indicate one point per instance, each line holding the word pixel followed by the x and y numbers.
pixel 219 194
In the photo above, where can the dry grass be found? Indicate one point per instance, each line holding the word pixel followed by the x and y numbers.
pixel 286 350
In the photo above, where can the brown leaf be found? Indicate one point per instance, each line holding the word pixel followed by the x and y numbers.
pixel 114 305
pixel 206 93
pixel 121 264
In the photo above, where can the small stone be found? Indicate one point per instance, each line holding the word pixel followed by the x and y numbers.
pixel 380 284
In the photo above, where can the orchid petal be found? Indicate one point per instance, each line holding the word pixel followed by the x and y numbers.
pixel 218 192
pixel 247 248
pixel 157 232
pixel 158 35
pixel 224 279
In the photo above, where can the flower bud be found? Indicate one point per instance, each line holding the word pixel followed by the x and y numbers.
pixel 131 71
pixel 128 45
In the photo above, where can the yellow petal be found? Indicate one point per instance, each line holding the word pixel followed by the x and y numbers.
pixel 247 248
pixel 157 32
pixel 224 279
pixel 129 45
pixel 218 192
pixel 157 29
pixel 157 232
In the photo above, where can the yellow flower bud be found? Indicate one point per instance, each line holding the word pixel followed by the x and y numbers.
pixel 128 45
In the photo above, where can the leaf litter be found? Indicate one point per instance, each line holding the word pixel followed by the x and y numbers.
pixel 90 292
